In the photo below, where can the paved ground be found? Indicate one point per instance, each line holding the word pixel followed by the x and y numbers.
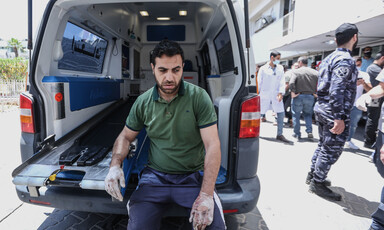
pixel 284 203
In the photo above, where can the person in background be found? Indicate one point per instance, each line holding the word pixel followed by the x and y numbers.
pixel 378 158
pixel 287 95
pixel 373 111
pixel 303 85
pixel 313 65
pixel 358 62
pixel 367 58
pixel 272 88
pixel 336 93
pixel 363 83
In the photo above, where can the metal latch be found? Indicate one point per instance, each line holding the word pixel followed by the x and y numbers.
pixel 48 142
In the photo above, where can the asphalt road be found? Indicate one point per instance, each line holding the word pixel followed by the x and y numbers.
pixel 284 203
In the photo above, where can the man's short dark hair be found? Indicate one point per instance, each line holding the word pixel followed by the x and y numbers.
pixel 379 55
pixel 168 48
pixel 274 54
pixel 342 39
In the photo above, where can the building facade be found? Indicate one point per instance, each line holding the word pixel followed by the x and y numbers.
pixel 307 27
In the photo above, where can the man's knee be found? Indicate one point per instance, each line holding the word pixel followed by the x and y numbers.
pixel 144 216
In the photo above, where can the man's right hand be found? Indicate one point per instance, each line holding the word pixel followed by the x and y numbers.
pixel 112 180
pixel 338 127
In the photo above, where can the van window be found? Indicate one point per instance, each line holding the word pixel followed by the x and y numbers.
pixel 224 51
pixel 83 50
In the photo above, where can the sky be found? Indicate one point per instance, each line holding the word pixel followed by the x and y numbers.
pixel 14 18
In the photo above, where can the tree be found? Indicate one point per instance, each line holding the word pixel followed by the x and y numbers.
pixel 15 45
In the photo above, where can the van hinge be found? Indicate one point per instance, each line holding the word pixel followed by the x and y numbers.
pixel 47 143
pixel 236 70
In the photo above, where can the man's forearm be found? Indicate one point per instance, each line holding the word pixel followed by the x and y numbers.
pixel 377 91
pixel 211 168
pixel 120 151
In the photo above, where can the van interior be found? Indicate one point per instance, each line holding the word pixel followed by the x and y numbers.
pixel 99 65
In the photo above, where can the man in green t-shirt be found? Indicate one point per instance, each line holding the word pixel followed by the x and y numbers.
pixel 181 123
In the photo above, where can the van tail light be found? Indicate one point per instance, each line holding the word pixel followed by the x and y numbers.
pixel 250 118
pixel 26 114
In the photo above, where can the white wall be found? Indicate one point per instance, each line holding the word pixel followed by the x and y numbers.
pixel 311 17
pixel 314 17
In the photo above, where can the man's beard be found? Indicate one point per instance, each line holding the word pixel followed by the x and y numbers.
pixel 168 83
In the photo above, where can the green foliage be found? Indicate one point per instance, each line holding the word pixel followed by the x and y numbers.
pixel 13 69
pixel 15 45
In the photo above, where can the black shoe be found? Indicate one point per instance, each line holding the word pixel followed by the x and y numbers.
pixel 310 135
pixel 321 190
pixel 370 146
pixel 282 138
pixel 310 177
pixel 297 137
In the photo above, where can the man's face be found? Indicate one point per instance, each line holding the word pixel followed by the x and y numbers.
pixel 358 63
pixel 168 72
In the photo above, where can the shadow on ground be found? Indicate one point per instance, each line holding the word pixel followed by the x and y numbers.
pixel 74 220
pixel 355 205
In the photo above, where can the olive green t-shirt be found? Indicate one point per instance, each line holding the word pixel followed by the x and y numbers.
pixel 174 127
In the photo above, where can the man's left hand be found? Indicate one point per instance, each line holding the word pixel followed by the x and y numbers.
pixel 338 127
pixel 202 211
pixel 294 95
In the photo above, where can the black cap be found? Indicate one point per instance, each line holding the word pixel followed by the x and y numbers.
pixel 347 28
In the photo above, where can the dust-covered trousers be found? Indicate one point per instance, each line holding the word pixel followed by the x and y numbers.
pixel 329 148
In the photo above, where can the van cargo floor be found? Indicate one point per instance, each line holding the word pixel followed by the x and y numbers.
pixel 72 154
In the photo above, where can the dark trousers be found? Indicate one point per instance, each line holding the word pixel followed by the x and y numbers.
pixel 378 215
pixel 373 115
pixel 287 107
pixel 329 148
pixel 156 193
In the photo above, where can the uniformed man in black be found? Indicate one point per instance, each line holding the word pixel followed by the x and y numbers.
pixel 336 91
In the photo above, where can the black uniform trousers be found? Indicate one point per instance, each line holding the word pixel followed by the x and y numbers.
pixel 373 115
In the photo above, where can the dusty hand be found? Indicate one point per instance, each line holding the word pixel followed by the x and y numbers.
pixel 338 127
pixel 279 97
pixel 362 101
pixel 202 211
pixel 112 180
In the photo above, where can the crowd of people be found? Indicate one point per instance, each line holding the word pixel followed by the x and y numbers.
pixel 334 92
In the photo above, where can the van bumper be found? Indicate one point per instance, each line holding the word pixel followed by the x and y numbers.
pixel 243 199
pixel 75 199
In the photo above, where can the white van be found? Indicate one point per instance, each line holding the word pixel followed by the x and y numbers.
pixel 91 61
